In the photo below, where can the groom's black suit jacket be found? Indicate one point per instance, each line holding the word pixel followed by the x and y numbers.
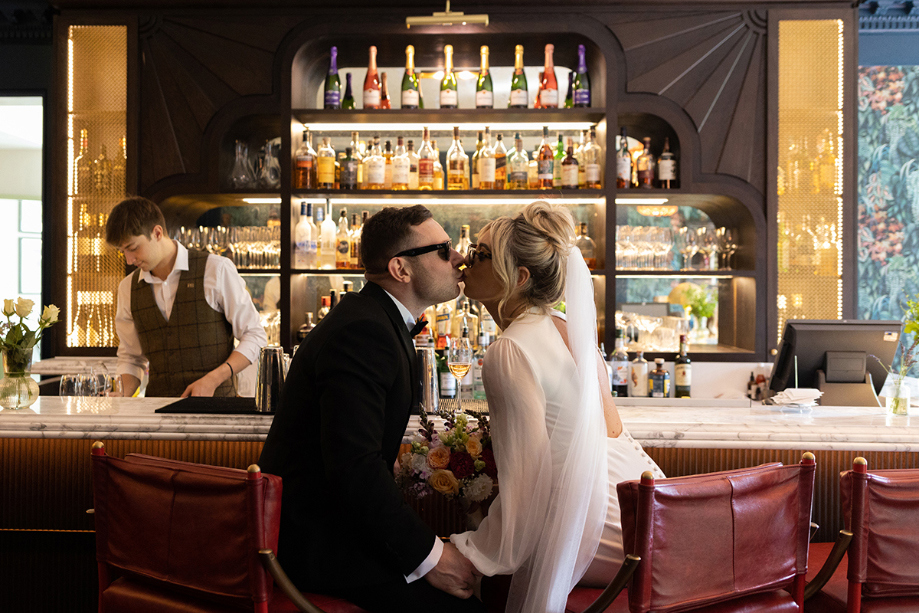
pixel 336 434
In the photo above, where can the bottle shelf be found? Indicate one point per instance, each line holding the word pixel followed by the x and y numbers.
pixel 258 271
pixel 327 271
pixel 683 274
pixel 451 196
pixel 437 120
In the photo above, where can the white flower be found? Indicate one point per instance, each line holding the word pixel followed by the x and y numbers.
pixel 8 308
pixel 420 440
pixel 478 489
pixel 24 306
pixel 420 465
pixel 50 314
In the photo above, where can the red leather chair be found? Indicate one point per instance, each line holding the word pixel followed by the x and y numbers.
pixel 176 536
pixel 881 508
pixel 726 542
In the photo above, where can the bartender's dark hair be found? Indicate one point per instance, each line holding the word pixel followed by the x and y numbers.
pixel 131 217
pixel 387 233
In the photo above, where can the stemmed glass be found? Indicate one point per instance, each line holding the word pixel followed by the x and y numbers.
pixel 459 361
pixel 708 246
pixel 727 242
pixel 688 246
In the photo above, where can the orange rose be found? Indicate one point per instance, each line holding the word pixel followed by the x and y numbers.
pixel 444 482
pixel 474 447
pixel 439 457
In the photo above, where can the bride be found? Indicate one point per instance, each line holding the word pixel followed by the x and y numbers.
pixel 558 441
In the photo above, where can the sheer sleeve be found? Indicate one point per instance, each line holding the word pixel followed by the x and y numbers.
pixel 507 537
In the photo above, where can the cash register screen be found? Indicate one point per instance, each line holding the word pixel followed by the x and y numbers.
pixel 810 339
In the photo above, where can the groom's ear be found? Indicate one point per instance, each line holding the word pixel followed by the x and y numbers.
pixel 399 270
pixel 523 275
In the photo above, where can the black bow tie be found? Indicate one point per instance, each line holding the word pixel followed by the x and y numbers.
pixel 419 326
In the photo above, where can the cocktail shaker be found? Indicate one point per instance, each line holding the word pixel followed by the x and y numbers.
pixel 271 372
pixel 427 367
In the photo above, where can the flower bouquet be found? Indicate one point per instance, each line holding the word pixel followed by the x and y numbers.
pixel 18 389
pixel 457 463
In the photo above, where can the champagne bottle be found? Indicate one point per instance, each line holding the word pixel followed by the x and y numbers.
pixel 623 162
pixel 520 97
pixel 682 371
pixel 411 89
pixel 426 159
pixel 487 163
pixel 548 87
pixel 347 101
pixel 666 167
pixel 484 91
pixel 569 97
pixel 457 164
pixel 448 92
pixel 333 83
pixel 581 81
pixel 372 83
pixel 385 102
pixel 500 163
pixel 545 160
pixel 83 168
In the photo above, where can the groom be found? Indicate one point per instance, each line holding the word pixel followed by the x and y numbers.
pixel 345 529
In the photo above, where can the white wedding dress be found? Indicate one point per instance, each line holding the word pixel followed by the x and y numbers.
pixel 530 380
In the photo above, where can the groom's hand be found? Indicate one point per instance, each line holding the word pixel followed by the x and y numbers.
pixel 454 574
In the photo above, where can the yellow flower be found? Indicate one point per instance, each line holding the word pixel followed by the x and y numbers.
pixel 439 457
pixel 8 308
pixel 444 482
pixel 474 447
pixel 24 306
pixel 50 314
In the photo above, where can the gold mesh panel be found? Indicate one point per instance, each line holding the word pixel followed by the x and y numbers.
pixel 97 112
pixel 810 170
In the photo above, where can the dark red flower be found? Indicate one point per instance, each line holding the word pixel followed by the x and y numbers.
pixel 491 469
pixel 462 465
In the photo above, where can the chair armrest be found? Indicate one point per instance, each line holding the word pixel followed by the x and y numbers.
pixel 271 564
pixel 829 567
pixel 619 582
pixel 814 528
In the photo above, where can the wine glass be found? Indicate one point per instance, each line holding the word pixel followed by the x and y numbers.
pixel 686 239
pixel 459 361
pixel 728 245
pixel 708 247
pixel 70 385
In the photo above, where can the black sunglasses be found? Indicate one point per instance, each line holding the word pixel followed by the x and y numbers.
pixel 442 249
pixel 475 253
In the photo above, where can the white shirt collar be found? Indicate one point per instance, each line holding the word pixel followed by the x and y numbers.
pixel 180 265
pixel 406 314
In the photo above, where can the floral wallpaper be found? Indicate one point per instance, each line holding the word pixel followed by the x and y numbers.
pixel 888 190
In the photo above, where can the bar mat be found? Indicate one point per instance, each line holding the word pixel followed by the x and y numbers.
pixel 470 406
pixel 217 406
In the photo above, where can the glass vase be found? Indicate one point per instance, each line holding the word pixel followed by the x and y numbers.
pixel 898 404
pixel 18 389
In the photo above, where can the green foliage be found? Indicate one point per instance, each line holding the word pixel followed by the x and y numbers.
pixel 702 301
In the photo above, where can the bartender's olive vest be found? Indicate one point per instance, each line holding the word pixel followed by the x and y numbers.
pixel 194 341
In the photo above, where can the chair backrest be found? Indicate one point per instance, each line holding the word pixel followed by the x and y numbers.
pixel 189 527
pixel 710 538
pixel 881 509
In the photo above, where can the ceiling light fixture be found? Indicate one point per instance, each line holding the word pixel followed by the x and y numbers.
pixel 446 18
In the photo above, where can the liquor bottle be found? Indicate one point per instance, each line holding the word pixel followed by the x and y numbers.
pixel 440 180
pixel 325 172
pixel 364 216
pixel 638 377
pixel 500 163
pixel 358 156
pixel 411 88
pixel 517 165
pixel 484 91
pixel 465 320
pixel 413 160
pixel 682 371
pixel 557 159
pixel 333 299
pixel 570 169
pixel 119 165
pixel 354 242
pixel 448 91
pixel 619 362
pixel 545 161
pixel 478 361
pixel 487 163
pixel 426 159
pixel 372 83
pixel 581 80
pixel 385 102
pixel 349 170
pixel 533 170
pixel 590 155
pixel 462 247
pixel 586 246
pixel 487 324
pixel 666 167
pixel 569 97
pixel 659 380
pixel 102 172
pixel 305 245
pixel 645 165
pixel 327 243
pixel 447 387
pixel 83 168
pixel 343 242
pixel 444 319
pixel 579 156
pixel 474 166
pixel 333 83
pixel 305 164
pixel 520 97
pixel 457 164
pixel 623 162
pixel 347 101
pixel 400 166
pixel 306 328
pixel 388 155
pixel 324 308
pixel 547 98
pixel 375 167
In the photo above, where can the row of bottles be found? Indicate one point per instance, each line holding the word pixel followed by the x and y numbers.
pixel 637 379
pixel 376 88
pixel 565 165
pixel 94 279
pixel 319 242
pixel 808 247
pixel 99 175
pixel 807 171
pixel 643 171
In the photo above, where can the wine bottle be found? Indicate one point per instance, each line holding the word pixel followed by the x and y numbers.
pixel 411 89
pixel 581 81
pixel 372 82
pixel 484 91
pixel 347 101
pixel 623 162
pixel 448 92
pixel 457 164
pixel 83 168
pixel 548 86
pixel 520 97
pixel 385 102
pixel 545 161
pixel 333 83
pixel 426 159
pixel 666 167
pixel 682 371
pixel 486 163
pixel 645 165
pixel 500 163
pixel 569 97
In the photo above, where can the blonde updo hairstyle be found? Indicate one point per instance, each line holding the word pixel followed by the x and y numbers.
pixel 539 239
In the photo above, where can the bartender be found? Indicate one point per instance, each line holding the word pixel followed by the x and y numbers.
pixel 179 312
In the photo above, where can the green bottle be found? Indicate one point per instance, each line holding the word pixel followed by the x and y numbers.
pixel 569 98
pixel 333 83
pixel 348 101
pixel 411 90
pixel 484 92
pixel 519 98
pixel 449 97
pixel 558 158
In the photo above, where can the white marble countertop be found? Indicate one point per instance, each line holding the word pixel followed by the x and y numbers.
pixel 754 427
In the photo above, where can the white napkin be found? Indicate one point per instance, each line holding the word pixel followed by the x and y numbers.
pixel 797 395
